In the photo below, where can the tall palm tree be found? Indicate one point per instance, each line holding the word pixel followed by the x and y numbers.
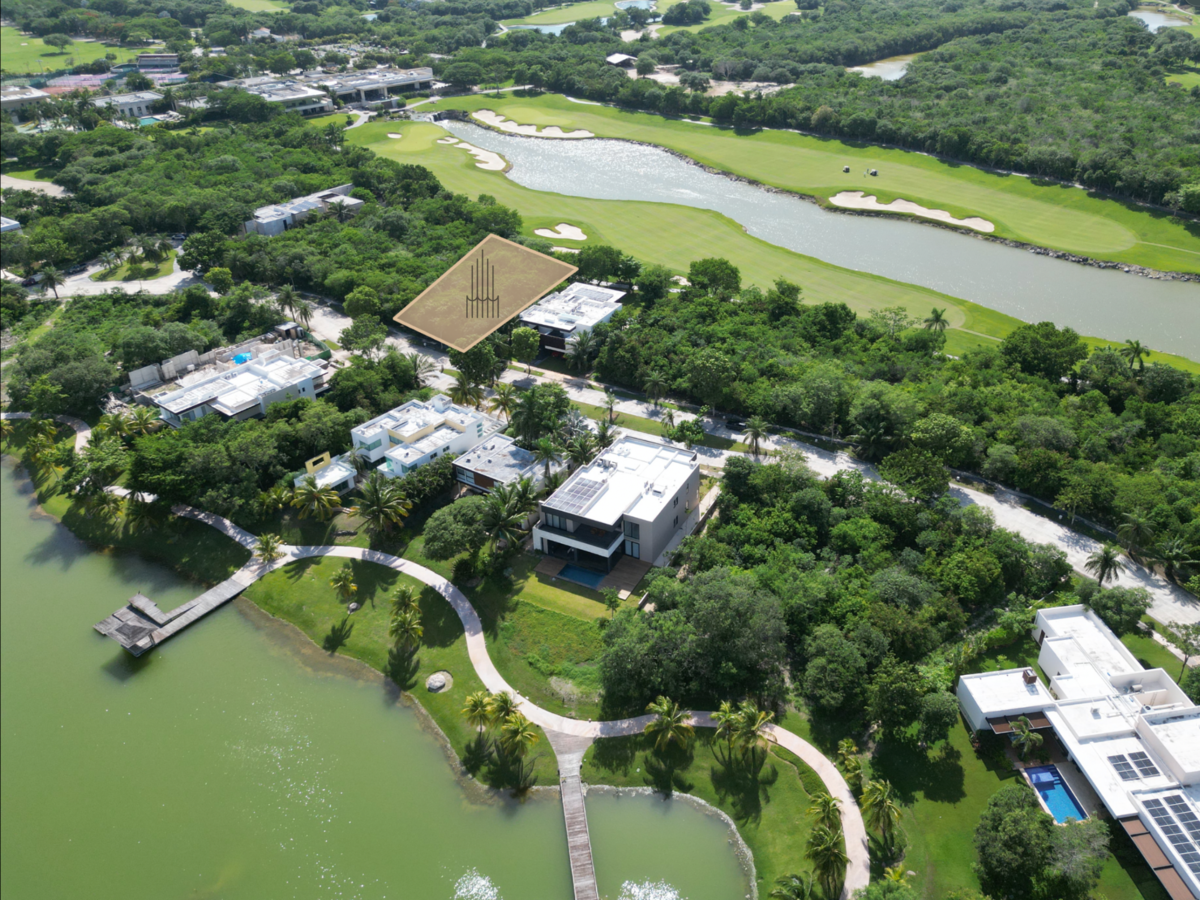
pixel 504 400
pixel 115 424
pixel 1135 530
pixel 405 600
pixel 936 320
pixel 1172 555
pixel 269 548
pixel 572 425
pixel 825 851
pixel 302 312
pixel 826 809
pixel 343 582
pixel 1024 736
pixel 605 435
pixel 500 706
pixel 274 499
pixel 103 505
pixel 313 500
pixel 144 420
pixel 880 810
pixel 286 298
pixel 610 404
pixel 405 628
pixel 794 887
pixel 109 261
pixel 52 278
pixel 751 727
pixel 477 711
pixel 670 724
pixel 44 426
pixel 546 452
pixel 668 419
pixel 142 516
pixel 1135 354
pixel 726 716
pixel 581 450
pixel 502 520
pixel 518 735
pixel 756 432
pixel 1105 564
pixel 655 386
pixel 382 503
pixel 423 367
pixel 465 392
pixel 579 353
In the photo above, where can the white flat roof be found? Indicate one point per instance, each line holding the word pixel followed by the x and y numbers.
pixel 1096 643
pixel 500 459
pixel 411 417
pixel 998 693
pixel 1181 736
pixel 578 305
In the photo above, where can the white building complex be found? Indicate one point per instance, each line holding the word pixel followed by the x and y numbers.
pixel 497 461
pixel 1132 733
pixel 636 499
pixel 136 104
pixel 293 96
pixel 14 97
pixel 563 316
pixel 415 433
pixel 277 218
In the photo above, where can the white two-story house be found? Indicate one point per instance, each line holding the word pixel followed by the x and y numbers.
pixel 417 432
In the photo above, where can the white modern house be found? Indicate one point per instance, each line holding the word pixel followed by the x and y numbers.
pixel 277 218
pixel 375 86
pixel 563 316
pixel 1132 734
pixel 633 500
pixel 240 391
pixel 7 225
pixel 417 432
pixel 294 96
pixel 135 104
pixel 14 97
pixel 329 472
pixel 497 461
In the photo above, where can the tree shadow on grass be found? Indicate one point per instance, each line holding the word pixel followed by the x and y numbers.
pixel 665 768
pixel 938 775
pixel 744 781
pixel 438 618
pixel 338 635
pixel 402 667
pixel 616 754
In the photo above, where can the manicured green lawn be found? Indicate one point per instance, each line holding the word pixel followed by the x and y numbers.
pixel 260 5
pixel 150 271
pixel 767 797
pixel 14 170
pixel 575 12
pixel 26 53
pixel 725 13
pixel 651 231
pixel 1022 209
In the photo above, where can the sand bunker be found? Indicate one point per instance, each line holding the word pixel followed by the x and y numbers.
pixel 495 120
pixel 394 136
pixel 448 140
pixel 485 159
pixel 561 232
pixel 856 200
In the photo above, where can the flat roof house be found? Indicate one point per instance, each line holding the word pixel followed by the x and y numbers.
pixel 241 392
pixel 7 225
pixel 1133 734
pixel 277 218
pixel 374 86
pixel 135 104
pixel 576 310
pixel 291 95
pixel 635 499
pixel 13 97
pixel 417 432
pixel 496 461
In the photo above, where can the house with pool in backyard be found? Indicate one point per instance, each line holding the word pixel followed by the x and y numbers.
pixel 1126 740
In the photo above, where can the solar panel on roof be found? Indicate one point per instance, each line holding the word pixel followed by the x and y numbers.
pixel 1124 769
pixel 1144 763
pixel 1184 813
pixel 575 496
pixel 1184 847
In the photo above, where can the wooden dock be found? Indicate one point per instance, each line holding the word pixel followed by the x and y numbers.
pixel 140 625
pixel 569 750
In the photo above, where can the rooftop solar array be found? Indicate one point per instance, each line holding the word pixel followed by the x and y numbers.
pixel 1144 764
pixel 1173 831
pixel 574 497
pixel 1124 769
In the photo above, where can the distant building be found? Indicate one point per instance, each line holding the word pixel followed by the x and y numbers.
pixel 635 499
pixel 621 60
pixel 374 86
pixel 291 95
pixel 273 220
pixel 136 104
pixel 497 461
pixel 335 472
pixel 15 97
pixel 563 316
pixel 163 62
pixel 418 432
pixel 7 225
pixel 1131 739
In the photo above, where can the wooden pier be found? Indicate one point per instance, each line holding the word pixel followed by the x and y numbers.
pixel 140 625
pixel 569 750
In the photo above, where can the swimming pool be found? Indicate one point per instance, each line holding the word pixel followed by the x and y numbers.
pixel 1049 784
pixel 583 576
pixel 148 120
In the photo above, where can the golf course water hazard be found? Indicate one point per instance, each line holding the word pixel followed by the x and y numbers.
pixel 240 761
pixel 1162 314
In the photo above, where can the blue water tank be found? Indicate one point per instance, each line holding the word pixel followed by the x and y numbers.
pixel 242 358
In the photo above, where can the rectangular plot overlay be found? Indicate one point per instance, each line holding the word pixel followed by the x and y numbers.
pixel 482 291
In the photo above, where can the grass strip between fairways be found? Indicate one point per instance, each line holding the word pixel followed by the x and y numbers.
pixel 677 235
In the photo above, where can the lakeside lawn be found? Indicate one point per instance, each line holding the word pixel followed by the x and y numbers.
pixel 724 14
pixel 1022 209
pixel 650 231
pixel 25 53
pixel 272 6
pixel 149 271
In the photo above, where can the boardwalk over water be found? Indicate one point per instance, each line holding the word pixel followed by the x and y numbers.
pixel 570 749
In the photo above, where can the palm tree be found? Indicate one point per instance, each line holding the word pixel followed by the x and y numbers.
pixel 518 734
pixel 6 429
pixel 343 582
pixel 670 724
pixel 880 810
pixel 1135 530
pixel 547 453
pixel 1105 564
pixel 1135 354
pixel 142 516
pixel 874 439
pixel 286 298
pixel 655 386
pixel 103 505
pixel 751 726
pixel 501 706
pixel 1024 736
pixel 897 874
pixel 502 519
pixel 274 499
pixel 477 710
pixel 115 424
pixel 382 503
pixel 826 809
pixel 144 420
pixel 405 600
pixel 794 887
pixel 668 419
pixel 269 548
pixel 313 500
pixel 302 312
pixel 465 392
pixel 504 400
pixel 610 404
pixel 573 424
pixel 38 449
pixel 44 427
pixel 756 432
pixel 581 450
pixel 52 278
pixel 825 851
pixel 579 354
pixel 726 717
pixel 405 629
pixel 423 367
pixel 605 435
pixel 109 261
pixel 936 320
pixel 1172 555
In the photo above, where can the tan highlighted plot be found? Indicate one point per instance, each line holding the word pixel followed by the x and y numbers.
pixel 856 200
pixel 485 289
pixel 562 231
pixel 495 120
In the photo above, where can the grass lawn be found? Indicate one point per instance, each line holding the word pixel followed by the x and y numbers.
pixel 260 5
pixel 574 12
pixel 155 270
pixel 26 53
pixel 767 797
pixel 1022 209
pixel 725 13
pixel 655 428
pixel 650 230
pixel 1187 76
pixel 14 170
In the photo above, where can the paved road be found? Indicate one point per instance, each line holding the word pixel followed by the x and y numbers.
pixel 8 183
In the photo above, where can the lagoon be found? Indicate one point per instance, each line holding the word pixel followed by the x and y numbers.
pixel 1162 314
pixel 1156 19
pixel 240 761
pixel 890 69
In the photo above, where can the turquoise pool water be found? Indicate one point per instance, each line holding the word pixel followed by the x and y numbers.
pixel 1062 804
pixel 148 120
pixel 583 576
